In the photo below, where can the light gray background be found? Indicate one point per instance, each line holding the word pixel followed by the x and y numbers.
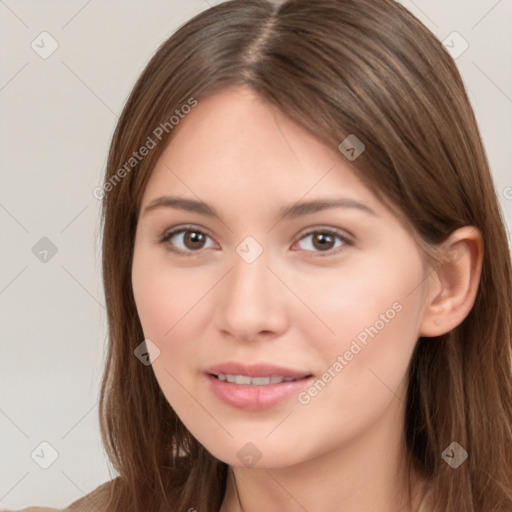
pixel 57 116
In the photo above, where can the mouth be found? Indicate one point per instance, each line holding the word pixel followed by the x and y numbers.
pixel 255 387
pixel 259 374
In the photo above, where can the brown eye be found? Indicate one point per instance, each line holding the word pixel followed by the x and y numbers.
pixel 324 241
pixel 194 239
pixel 186 240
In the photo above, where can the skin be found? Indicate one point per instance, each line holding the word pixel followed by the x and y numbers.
pixel 297 305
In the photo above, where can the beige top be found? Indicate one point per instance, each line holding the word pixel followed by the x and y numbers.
pixel 92 502
pixel 97 500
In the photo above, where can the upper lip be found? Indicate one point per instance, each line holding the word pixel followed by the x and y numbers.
pixel 255 370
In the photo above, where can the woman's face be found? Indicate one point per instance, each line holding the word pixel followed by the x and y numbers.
pixel 331 296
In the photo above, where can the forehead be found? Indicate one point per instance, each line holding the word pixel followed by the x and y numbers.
pixel 235 143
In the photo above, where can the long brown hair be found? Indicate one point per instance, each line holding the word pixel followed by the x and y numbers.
pixel 336 67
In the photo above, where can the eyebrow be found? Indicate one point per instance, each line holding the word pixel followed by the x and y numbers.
pixel 295 210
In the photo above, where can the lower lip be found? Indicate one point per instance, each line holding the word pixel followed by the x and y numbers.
pixel 255 398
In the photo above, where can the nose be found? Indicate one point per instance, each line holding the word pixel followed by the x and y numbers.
pixel 252 302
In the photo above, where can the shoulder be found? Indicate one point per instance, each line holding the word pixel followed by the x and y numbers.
pixel 95 501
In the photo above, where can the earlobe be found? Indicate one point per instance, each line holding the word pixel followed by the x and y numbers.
pixel 453 285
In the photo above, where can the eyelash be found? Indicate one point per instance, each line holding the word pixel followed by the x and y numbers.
pixel 329 231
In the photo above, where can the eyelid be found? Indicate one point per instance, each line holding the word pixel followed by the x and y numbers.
pixel 342 233
pixel 344 236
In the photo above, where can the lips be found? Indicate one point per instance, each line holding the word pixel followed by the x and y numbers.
pixel 255 387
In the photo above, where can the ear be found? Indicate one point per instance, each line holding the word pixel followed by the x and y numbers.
pixel 454 283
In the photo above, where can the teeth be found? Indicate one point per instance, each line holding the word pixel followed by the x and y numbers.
pixel 242 379
pixel 253 381
pixel 260 381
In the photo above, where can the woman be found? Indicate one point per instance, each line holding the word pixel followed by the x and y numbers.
pixel 306 271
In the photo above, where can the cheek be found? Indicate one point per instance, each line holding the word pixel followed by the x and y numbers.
pixel 369 301
pixel 375 322
pixel 365 366
pixel 168 301
pixel 166 297
pixel 171 303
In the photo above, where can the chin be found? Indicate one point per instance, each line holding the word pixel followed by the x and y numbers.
pixel 257 453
